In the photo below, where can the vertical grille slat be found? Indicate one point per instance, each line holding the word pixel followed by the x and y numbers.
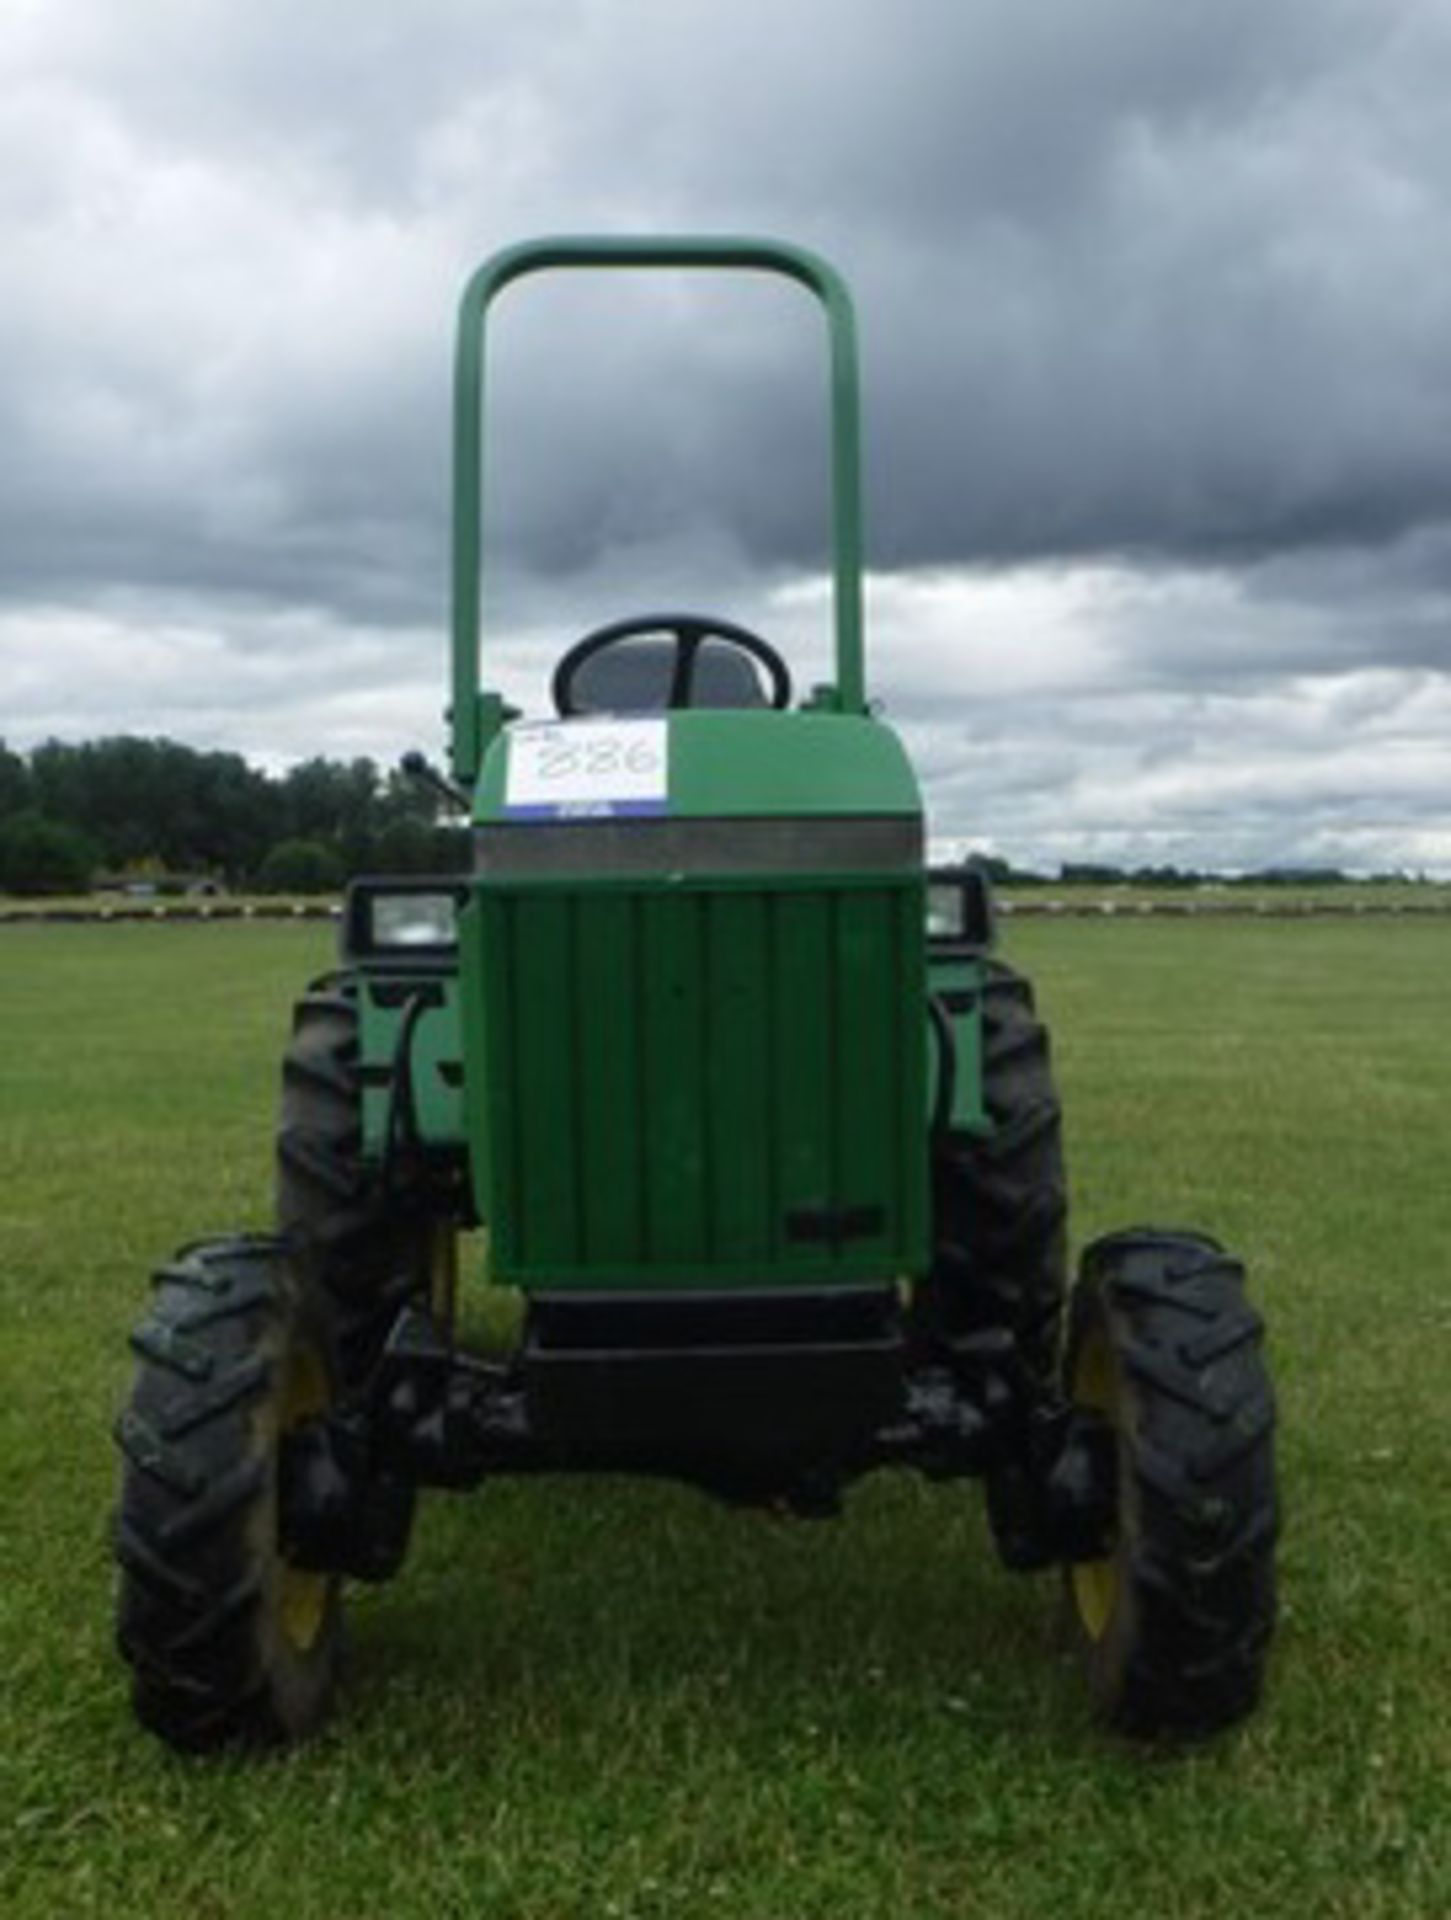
pixel 772 1234
pixel 639 1119
pixel 710 1145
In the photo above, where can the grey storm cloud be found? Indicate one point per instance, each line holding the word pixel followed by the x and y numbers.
pixel 1153 295
pixel 1133 278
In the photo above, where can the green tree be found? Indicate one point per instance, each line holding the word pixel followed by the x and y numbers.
pixel 142 800
pixel 301 866
pixel 404 846
pixel 336 803
pixel 14 782
pixel 40 855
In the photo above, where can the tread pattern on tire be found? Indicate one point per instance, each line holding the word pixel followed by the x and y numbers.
pixel 196 1526
pixel 1000 1200
pixel 367 1245
pixel 1184 1652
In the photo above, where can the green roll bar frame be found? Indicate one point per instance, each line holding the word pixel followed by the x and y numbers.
pixel 476 716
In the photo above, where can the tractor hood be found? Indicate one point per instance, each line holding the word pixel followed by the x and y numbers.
pixel 700 765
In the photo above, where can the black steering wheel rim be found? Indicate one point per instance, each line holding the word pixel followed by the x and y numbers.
pixel 689 630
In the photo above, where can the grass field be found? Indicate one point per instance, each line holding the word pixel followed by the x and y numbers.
pixel 616 1701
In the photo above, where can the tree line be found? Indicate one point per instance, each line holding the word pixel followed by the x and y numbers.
pixel 1096 873
pixel 158 812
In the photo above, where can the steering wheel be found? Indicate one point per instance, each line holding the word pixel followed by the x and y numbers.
pixel 687 631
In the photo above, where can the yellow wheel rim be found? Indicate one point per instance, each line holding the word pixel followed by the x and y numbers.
pixel 302 1596
pixel 1094 1384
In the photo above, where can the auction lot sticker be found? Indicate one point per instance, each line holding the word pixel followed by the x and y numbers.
pixel 586 769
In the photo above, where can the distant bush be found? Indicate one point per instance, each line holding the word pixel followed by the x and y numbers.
pixel 300 866
pixel 40 855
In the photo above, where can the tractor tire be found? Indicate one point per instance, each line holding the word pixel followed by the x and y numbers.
pixel 1174 1623
pixel 1000 1200
pixel 368 1245
pixel 227 1641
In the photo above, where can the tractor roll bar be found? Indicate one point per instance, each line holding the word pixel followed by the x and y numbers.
pixel 469 725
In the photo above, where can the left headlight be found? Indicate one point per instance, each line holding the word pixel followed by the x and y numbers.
pixel 412 920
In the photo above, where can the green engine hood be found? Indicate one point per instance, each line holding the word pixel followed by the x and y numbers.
pixel 716 765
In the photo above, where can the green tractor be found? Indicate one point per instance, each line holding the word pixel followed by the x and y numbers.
pixel 762 1137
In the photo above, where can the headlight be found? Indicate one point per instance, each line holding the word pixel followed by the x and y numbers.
pixel 945 911
pixel 413 920
pixel 959 906
pixel 403 922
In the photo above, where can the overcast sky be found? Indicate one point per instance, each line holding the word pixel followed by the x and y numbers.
pixel 1156 314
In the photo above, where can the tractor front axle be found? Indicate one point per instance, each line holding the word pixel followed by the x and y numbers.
pixel 778 1401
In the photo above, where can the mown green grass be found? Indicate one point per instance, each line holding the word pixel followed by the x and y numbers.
pixel 589 1699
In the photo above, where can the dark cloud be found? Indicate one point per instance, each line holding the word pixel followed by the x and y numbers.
pixel 1133 279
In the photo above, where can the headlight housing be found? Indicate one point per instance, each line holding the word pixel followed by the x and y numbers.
pixel 403 920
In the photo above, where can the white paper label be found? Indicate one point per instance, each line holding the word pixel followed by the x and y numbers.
pixel 587 769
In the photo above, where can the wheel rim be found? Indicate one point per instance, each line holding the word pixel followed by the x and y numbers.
pixel 1096 1583
pixel 302 1595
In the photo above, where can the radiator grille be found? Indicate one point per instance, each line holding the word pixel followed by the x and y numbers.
pixel 712 1084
